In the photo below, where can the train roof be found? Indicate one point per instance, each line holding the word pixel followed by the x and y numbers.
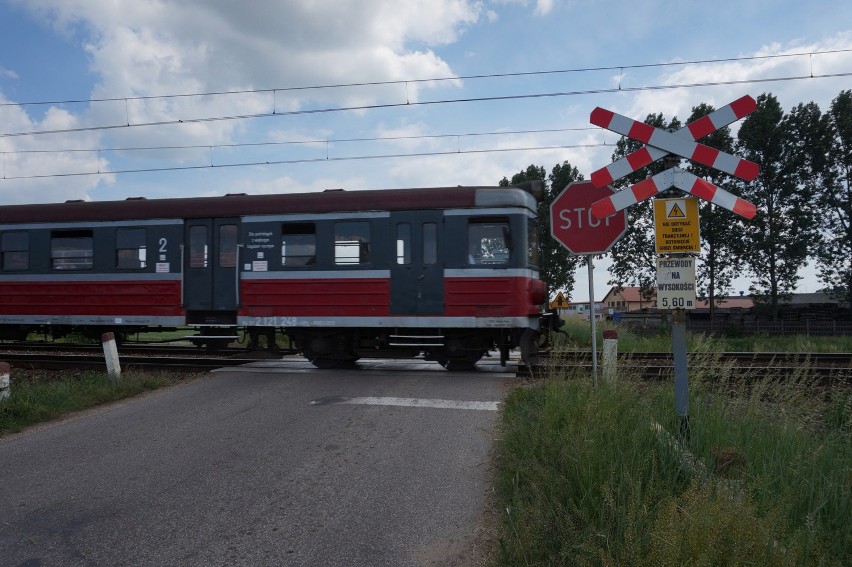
pixel 336 200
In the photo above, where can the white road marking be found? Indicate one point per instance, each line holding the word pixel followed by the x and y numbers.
pixel 411 402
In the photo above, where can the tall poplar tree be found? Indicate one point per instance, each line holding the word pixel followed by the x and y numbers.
pixel 634 259
pixel 556 264
pixel 720 228
pixel 834 257
pixel 782 233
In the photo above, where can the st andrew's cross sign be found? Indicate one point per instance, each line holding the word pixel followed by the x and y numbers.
pixel 683 143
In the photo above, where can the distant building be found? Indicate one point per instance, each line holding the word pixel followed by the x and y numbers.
pixel 581 311
pixel 628 299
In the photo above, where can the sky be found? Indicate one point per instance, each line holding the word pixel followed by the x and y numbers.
pixel 175 98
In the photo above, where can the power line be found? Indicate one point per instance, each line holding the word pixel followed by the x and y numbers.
pixel 303 142
pixel 328 158
pixel 417 154
pixel 303 160
pixel 435 79
pixel 424 103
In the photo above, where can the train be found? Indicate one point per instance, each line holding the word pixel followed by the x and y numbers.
pixel 447 273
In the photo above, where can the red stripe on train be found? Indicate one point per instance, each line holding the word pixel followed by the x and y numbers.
pixel 128 298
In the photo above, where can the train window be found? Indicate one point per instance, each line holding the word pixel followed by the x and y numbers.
pixel 130 249
pixel 72 250
pixel 430 243
pixel 403 243
pixel 532 243
pixel 198 246
pixel 352 243
pixel 488 241
pixel 298 244
pixel 15 251
pixel 228 246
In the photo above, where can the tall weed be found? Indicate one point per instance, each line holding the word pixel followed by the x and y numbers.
pixel 580 473
pixel 585 480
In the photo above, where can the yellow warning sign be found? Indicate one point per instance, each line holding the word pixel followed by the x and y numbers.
pixel 559 302
pixel 676 226
pixel 676 212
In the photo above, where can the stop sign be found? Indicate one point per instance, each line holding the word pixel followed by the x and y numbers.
pixel 572 222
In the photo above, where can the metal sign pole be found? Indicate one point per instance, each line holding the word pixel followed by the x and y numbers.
pixel 591 263
pixel 681 371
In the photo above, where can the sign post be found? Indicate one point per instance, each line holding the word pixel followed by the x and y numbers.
pixel 574 226
pixel 676 231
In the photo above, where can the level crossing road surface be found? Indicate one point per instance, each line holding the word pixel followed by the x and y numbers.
pixel 272 463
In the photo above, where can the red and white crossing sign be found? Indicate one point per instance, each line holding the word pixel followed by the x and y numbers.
pixel 660 143
pixel 695 130
pixel 572 222
pixel 680 179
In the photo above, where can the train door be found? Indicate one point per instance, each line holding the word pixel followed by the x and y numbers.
pixel 211 268
pixel 417 271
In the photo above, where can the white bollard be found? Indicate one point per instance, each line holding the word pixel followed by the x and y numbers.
pixel 5 383
pixel 610 355
pixel 111 356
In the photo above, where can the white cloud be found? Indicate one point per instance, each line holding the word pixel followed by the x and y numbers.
pixel 725 75
pixel 138 45
pixel 147 48
pixel 542 7
pixel 24 159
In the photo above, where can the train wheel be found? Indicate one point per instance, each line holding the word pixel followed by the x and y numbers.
pixel 529 347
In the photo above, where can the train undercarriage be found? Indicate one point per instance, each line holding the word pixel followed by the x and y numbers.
pixel 454 349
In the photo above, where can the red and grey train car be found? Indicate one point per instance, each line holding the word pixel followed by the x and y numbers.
pixel 447 272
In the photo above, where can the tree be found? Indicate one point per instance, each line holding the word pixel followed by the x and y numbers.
pixel 634 258
pixel 778 237
pixel 556 264
pixel 834 256
pixel 720 229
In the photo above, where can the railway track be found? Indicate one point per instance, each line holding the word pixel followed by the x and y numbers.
pixel 652 365
pixel 91 361
pixel 660 365
pixel 53 356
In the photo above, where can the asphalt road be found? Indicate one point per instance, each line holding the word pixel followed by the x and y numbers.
pixel 274 464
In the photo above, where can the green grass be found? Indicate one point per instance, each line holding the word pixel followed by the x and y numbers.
pixel 629 340
pixel 583 479
pixel 44 396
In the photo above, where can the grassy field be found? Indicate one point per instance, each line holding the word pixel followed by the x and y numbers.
pixel 577 335
pixel 597 475
pixel 39 396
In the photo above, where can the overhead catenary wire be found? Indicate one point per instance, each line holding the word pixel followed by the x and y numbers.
pixel 274 91
pixel 327 142
pixel 304 160
pixel 416 154
pixel 424 103
pixel 304 142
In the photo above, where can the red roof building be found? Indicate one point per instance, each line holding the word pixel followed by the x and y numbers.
pixel 628 299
